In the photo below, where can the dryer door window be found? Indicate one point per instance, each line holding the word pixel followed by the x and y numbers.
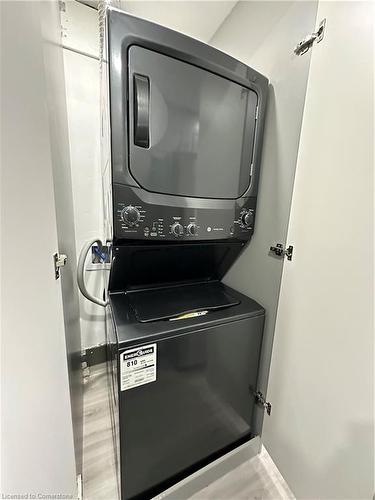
pixel 191 132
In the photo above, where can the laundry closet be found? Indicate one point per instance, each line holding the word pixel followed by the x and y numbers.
pixel 211 165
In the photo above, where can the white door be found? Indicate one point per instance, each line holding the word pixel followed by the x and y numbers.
pixel 263 35
pixel 36 432
pixel 320 432
pixel 62 184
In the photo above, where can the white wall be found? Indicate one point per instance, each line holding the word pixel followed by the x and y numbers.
pixel 320 433
pixel 81 33
pixel 37 448
pixel 198 19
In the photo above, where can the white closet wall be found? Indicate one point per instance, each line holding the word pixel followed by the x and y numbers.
pixel 81 37
pixel 198 19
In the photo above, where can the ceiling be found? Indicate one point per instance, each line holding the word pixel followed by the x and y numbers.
pixel 199 19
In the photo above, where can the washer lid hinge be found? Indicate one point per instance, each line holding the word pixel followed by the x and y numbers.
pixel 305 45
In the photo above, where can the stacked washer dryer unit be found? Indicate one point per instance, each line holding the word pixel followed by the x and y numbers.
pixel 182 127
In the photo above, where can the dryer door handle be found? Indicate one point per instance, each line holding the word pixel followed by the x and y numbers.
pixel 141 111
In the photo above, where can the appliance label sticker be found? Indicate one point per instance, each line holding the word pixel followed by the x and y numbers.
pixel 138 366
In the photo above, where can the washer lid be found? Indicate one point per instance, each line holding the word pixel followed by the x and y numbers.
pixel 172 302
pixel 130 331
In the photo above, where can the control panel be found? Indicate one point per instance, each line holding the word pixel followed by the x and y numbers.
pixel 138 219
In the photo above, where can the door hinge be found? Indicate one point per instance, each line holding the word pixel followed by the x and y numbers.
pixel 305 45
pixel 261 401
pixel 279 250
pixel 59 260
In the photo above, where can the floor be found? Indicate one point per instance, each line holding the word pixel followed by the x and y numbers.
pixel 99 473
pixel 256 479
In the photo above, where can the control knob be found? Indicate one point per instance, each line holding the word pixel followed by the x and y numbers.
pixel 130 215
pixel 192 229
pixel 247 219
pixel 177 229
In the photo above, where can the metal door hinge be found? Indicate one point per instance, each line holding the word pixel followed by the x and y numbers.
pixel 279 250
pixel 59 260
pixel 261 401
pixel 304 45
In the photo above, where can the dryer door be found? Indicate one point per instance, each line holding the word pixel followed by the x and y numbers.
pixel 191 132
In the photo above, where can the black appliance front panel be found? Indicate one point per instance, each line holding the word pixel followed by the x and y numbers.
pixel 139 215
pixel 199 407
